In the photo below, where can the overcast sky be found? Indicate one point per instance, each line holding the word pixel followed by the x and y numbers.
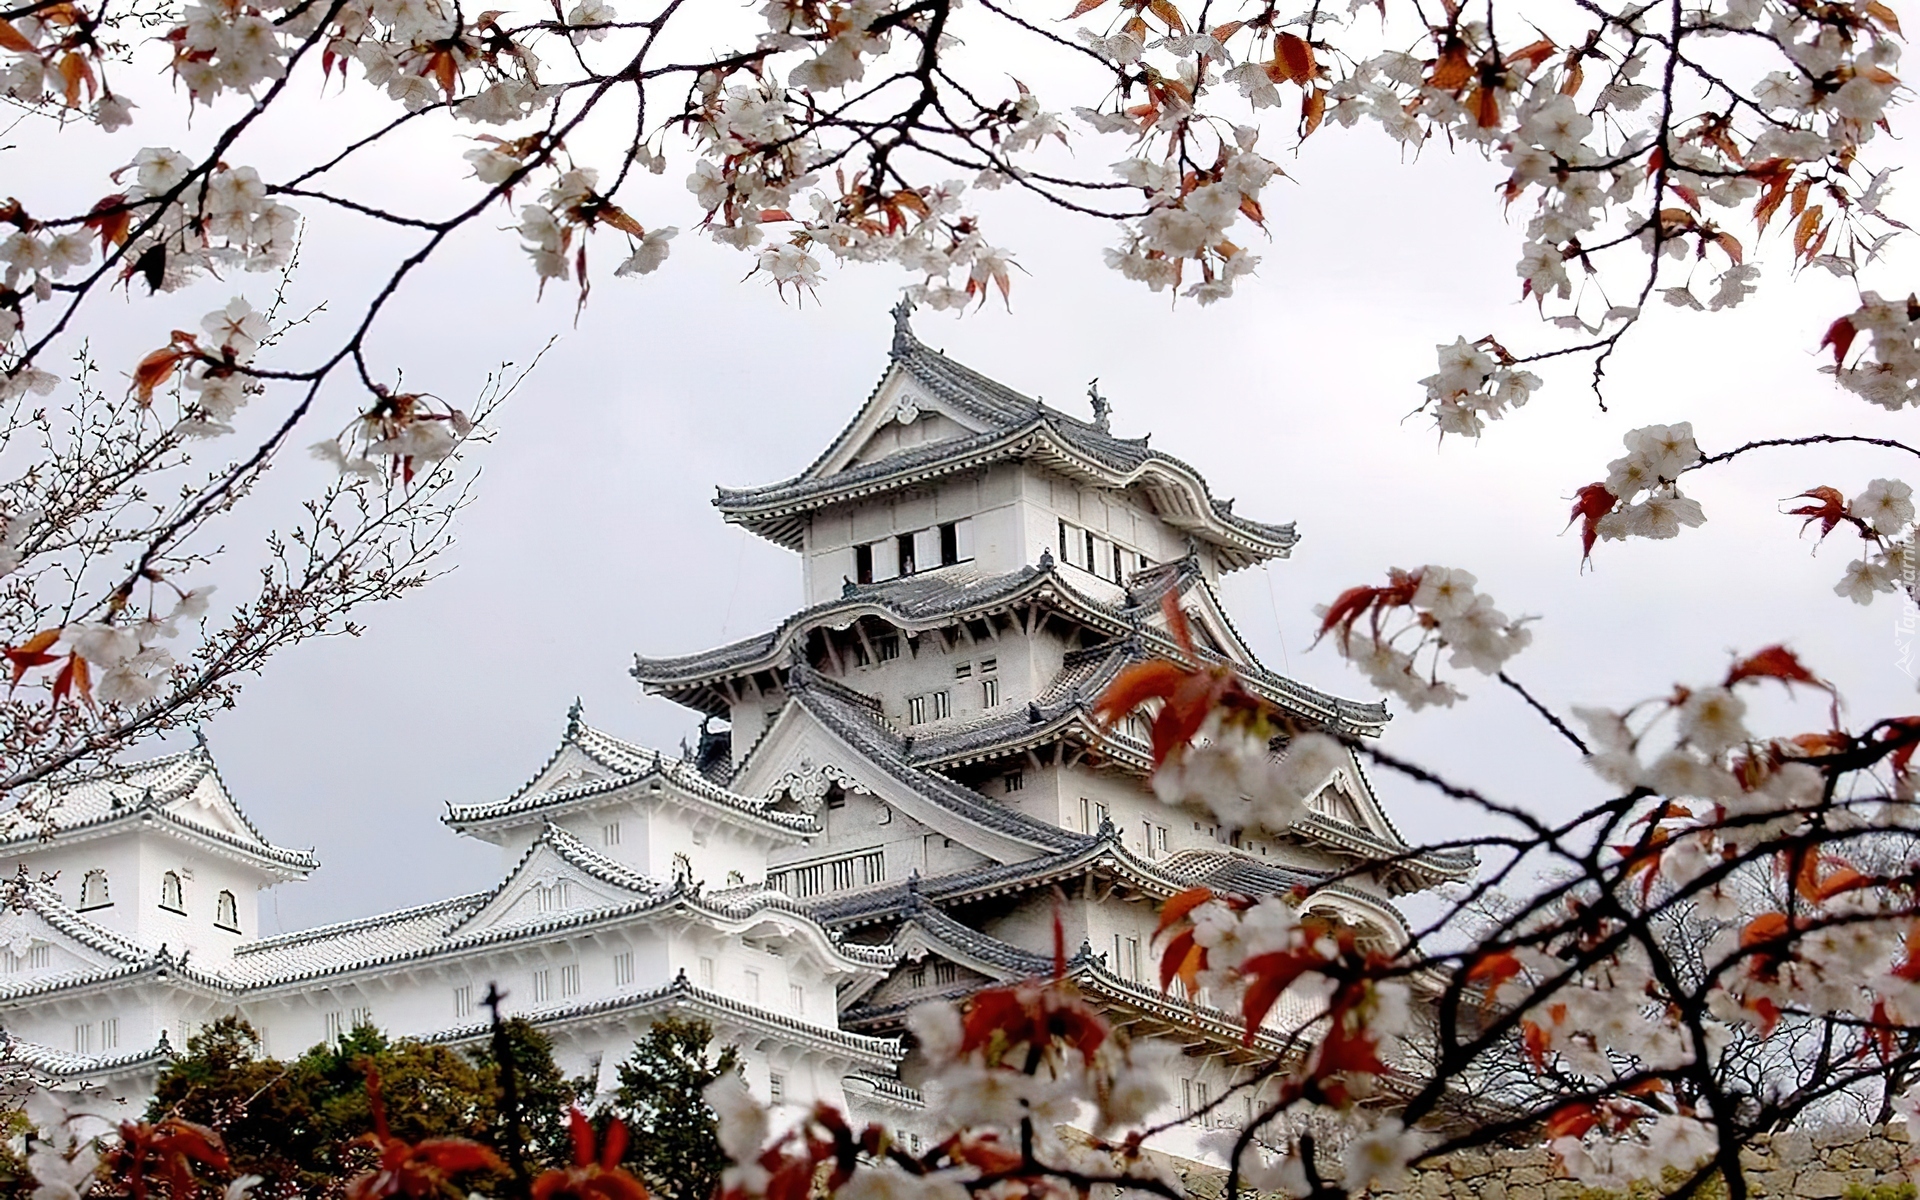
pixel 593 536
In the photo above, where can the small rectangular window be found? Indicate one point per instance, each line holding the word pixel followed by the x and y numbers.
pixel 916 710
pixel 797 999
pixel 943 972
pixel 777 1087
pixel 83 1039
pixel 336 1026
pixel 610 833
pixel 1163 839
pixel 542 986
pixel 926 550
pixel 1087 536
pixel 963 670
pixel 1015 781
pixel 110 1033
pixel 942 705
pixel 623 968
pixel 1146 838
pixel 863 564
pixel 1064 558
pixel 706 973
pixel 989 693
pixel 888 648
pixel 463 1000
pixel 989 665
pixel 903 548
pixel 570 979
pixel 949 545
pixel 360 1018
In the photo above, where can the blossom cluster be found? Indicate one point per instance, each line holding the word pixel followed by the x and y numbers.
pixel 1613 509
pixel 1441 612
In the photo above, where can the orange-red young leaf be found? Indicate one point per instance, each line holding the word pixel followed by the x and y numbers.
pixel 1139 683
pixel 1294 56
pixel 1268 978
pixel 12 39
pixel 33 653
pixel 1775 662
pixel 1084 7
pixel 1178 906
pixel 1492 970
pixel 1572 1120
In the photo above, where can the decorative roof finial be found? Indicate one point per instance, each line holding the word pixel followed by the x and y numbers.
pixel 200 737
pixel 1102 407
pixel 573 718
pixel 903 339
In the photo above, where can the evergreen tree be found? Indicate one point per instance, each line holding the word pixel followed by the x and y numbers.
pixel 296 1124
pixel 675 1145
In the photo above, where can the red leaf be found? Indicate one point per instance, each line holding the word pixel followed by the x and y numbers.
pixel 1830 511
pixel 1294 56
pixel 1591 503
pixel 1268 978
pixel 1840 336
pixel 1174 960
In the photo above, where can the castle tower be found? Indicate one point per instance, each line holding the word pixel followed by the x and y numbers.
pixel 977 567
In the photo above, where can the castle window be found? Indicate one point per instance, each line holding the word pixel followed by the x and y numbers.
pixel 916 709
pixel 110 1033
pixel 797 999
pixel 83 1039
pixel 336 1028
pixel 917 977
pixel 888 648
pixel 942 705
pixel 173 897
pixel 863 564
pixel 776 1087
pixel 226 912
pixel 963 671
pixel 463 1000
pixel 1015 781
pixel 542 985
pixel 903 547
pixel 1064 542
pixel 623 968
pixel 361 1018
pixel 989 665
pixel 93 890
pixel 949 544
pixel 943 972
pixel 989 693
pixel 610 834
pixel 570 979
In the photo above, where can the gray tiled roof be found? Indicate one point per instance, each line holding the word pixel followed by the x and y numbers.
pixel 62 1064
pixel 147 790
pixel 1169 875
pixel 627 764
pixel 877 1051
pixel 851 716
pixel 1016 427
pixel 920 601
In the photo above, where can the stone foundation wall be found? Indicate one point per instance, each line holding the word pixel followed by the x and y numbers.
pixel 1838 1164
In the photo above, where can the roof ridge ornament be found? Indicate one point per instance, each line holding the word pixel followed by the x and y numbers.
pixel 1102 407
pixel 573 718
pixel 903 339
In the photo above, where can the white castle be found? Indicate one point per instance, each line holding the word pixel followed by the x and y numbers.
pixel 895 792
